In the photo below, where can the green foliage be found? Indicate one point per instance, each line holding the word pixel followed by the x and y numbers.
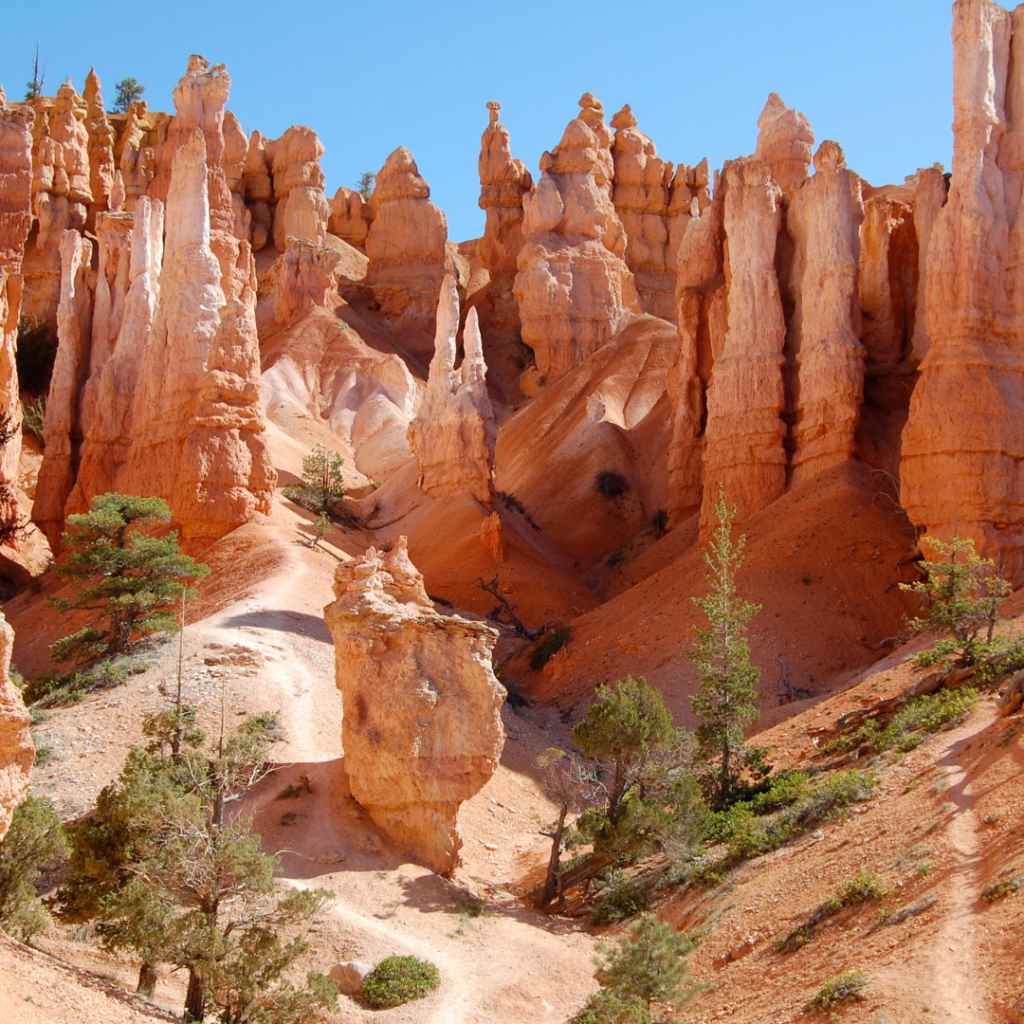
pixel 128 92
pixel 1001 890
pixel 34 844
pixel 751 836
pixel 912 724
pixel 648 967
pixel 321 527
pixel 398 980
pixel 323 484
pixel 34 88
pixel 962 592
pixel 37 350
pixel 725 703
pixel 546 648
pixel 365 185
pixel 845 987
pixel 851 893
pixel 135 581
pixel 58 689
pixel 620 900
pixel 33 416
pixel 605 1007
pixel 168 876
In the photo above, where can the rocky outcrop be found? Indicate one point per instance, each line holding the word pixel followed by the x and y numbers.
pixel 303 277
pixel 785 143
pixel 573 286
pixel 503 183
pixel 406 244
pixel 62 426
pixel 929 198
pixel 422 727
pixel 641 195
pixel 302 209
pixel 16 749
pixel 744 447
pixel 963 447
pixel 350 217
pixel 15 222
pixel 823 220
pixel 453 434
pixel 102 136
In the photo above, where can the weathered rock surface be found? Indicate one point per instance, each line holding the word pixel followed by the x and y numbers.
pixel 453 434
pixel 785 143
pixel 503 183
pixel 574 288
pixel 744 437
pixel 823 220
pixel 422 729
pixel 406 244
pixel 963 448
pixel 303 277
pixel 641 196
pixel 302 209
pixel 350 217
pixel 16 749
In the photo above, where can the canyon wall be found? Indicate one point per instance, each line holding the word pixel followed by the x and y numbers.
pixel 16 749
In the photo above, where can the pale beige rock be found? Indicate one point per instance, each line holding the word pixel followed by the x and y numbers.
pixel 574 289
pixel 16 749
pixel 963 449
pixel 422 728
pixel 406 244
pixel 641 196
pixel 823 220
pixel 785 143
pixel 453 435
pixel 745 431
pixel 62 425
pixel 503 183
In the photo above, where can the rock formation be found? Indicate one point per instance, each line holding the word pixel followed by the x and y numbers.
pixel 406 244
pixel 823 220
pixel 503 183
pixel 16 749
pixel 744 448
pixel 15 222
pixel 303 277
pixel 574 288
pixel 453 435
pixel 422 727
pixel 641 195
pixel 785 142
pixel 302 210
pixel 963 447
pixel 350 217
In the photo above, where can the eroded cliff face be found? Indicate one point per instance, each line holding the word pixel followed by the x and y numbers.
pixel 422 727
pixel 16 749
pixel 963 448
pixel 573 286
pixel 453 434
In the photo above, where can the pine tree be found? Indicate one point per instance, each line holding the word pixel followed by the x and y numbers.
pixel 34 89
pixel 648 968
pixel 128 92
pixel 725 703
pixel 963 592
pixel 365 185
pixel 135 580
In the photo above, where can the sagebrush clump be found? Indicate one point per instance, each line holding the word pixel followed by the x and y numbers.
pixel 398 980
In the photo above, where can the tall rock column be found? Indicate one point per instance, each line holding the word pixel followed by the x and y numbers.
pixel 15 222
pixel 406 244
pixel 302 208
pixel 574 288
pixel 745 432
pixel 422 725
pixel 823 220
pixel 503 183
pixel 453 434
pixel 16 749
pixel 963 446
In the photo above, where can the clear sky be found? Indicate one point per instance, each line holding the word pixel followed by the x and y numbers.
pixel 875 75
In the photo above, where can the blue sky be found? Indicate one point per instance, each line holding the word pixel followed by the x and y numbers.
pixel 873 75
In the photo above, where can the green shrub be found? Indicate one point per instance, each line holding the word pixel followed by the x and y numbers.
pixel 619 902
pixel 34 845
pixel 57 689
pixel 606 1007
pixel 546 648
pixel 865 886
pixel 786 788
pixel 1001 890
pixel 843 988
pixel 398 980
pixel 33 415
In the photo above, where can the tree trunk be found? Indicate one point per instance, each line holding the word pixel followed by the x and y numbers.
pixel 147 980
pixel 552 883
pixel 195 998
